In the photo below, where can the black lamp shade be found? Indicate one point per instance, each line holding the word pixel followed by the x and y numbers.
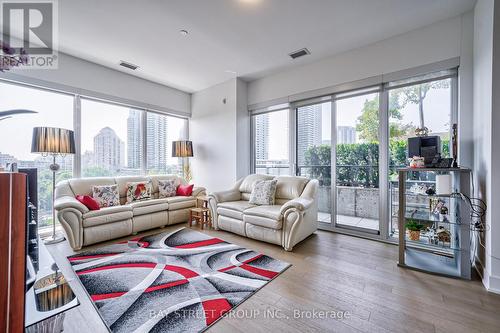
pixel 53 140
pixel 182 149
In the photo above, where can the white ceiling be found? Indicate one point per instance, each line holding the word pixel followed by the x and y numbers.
pixel 249 37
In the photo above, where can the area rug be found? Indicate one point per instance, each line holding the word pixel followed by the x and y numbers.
pixel 182 281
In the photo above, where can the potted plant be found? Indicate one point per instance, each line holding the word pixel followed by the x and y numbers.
pixel 414 229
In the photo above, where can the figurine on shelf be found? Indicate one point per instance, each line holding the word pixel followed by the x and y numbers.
pixel 443 234
pixel 430 191
pixel 444 210
pixel 418 189
pixel 417 162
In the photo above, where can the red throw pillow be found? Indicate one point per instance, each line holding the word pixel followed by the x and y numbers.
pixel 88 201
pixel 185 190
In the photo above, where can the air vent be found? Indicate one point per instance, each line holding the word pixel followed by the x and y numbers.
pixel 128 65
pixel 299 53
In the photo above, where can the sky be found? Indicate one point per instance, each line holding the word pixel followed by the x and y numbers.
pixel 56 110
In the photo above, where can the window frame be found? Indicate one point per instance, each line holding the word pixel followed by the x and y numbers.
pixel 77 117
pixel 447 69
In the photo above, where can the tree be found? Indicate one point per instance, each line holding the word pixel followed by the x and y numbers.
pixel 416 94
pixel 368 122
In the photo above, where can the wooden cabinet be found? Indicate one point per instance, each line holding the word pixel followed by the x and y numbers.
pixel 13 210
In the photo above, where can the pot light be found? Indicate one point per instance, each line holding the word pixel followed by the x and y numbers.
pixel 184 32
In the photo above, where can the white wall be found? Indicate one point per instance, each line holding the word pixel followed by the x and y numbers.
pixel 486 82
pixel 220 133
pixel 83 76
pixel 436 42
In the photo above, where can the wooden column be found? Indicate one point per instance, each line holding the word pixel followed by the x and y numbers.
pixel 13 211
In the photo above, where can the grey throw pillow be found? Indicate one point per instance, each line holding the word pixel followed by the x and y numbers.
pixel 167 188
pixel 263 192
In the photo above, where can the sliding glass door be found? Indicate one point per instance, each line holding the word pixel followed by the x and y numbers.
pixel 357 161
pixel 313 142
pixel 352 142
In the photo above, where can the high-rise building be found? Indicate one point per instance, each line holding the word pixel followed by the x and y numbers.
pixel 309 133
pixel 109 150
pixel 134 149
pixel 346 134
pixel 156 141
pixel 262 137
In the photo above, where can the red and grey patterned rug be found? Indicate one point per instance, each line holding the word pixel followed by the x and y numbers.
pixel 171 282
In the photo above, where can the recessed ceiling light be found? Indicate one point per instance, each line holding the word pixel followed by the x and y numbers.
pixel 184 32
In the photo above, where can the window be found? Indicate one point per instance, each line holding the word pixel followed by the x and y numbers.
pixel 54 110
pixel 371 125
pixel 160 132
pixel 271 143
pixel 111 139
pixel 411 107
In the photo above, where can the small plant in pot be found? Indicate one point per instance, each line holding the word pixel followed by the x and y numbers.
pixel 414 229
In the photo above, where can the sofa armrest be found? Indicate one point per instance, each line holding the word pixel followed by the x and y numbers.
pixel 199 191
pixel 298 203
pixel 223 196
pixel 69 202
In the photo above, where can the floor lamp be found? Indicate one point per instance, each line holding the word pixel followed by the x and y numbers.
pixel 53 141
pixel 184 149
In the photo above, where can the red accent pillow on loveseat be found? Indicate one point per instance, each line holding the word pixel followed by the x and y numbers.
pixel 88 201
pixel 185 190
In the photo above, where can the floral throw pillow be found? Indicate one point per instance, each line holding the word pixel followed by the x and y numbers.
pixel 166 188
pixel 106 196
pixel 263 192
pixel 138 191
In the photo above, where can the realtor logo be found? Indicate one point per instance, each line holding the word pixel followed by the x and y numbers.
pixel 29 31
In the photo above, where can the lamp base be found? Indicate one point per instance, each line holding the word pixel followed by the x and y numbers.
pixel 53 239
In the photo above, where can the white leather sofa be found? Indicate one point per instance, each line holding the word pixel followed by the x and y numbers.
pixel 84 227
pixel 293 217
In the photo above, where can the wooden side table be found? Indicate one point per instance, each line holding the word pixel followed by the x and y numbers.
pixel 200 215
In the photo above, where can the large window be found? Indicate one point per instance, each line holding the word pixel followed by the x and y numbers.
pixel 370 126
pixel 161 131
pixel 111 139
pixel 423 105
pixel 53 110
pixel 272 143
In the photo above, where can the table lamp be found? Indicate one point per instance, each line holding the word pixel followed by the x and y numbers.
pixel 53 141
pixel 184 149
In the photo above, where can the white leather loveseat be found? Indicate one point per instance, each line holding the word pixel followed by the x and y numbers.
pixel 293 217
pixel 84 227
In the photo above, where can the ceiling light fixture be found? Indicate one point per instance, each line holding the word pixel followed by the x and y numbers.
pixel 184 32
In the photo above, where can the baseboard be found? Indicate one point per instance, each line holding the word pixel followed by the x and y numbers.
pixel 490 282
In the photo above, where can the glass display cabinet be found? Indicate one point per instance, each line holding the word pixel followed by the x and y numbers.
pixel 433 220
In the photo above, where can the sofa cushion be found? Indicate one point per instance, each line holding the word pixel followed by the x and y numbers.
pixel 122 185
pixel 137 191
pixel 106 195
pixel 167 188
pixel 83 186
pixel 156 178
pixel 263 192
pixel 248 183
pixel 233 209
pixel 180 202
pixel 290 187
pixel 149 206
pixel 264 216
pixel 106 215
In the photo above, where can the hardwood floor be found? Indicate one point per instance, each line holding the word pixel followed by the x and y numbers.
pixel 334 272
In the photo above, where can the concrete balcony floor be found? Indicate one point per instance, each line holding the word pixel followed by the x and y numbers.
pixel 352 221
